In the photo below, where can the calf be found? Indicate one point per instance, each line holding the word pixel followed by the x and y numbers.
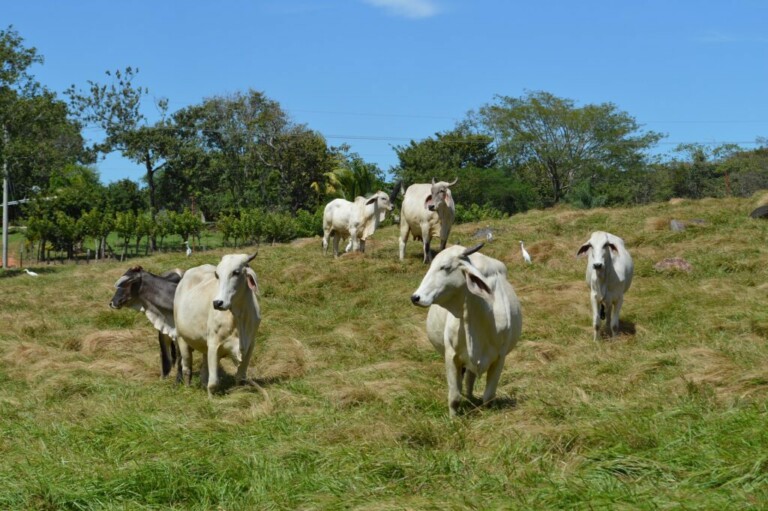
pixel 153 295
pixel 609 275
pixel 474 318
pixel 357 220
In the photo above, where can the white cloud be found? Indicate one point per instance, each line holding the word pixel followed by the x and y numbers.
pixel 413 9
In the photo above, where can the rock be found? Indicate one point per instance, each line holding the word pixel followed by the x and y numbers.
pixel 673 264
pixel 761 212
pixel 677 225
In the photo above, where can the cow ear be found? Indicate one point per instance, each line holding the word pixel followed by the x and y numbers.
pixel 428 202
pixel 250 277
pixel 476 283
pixel 372 200
pixel 583 249
pixel 613 248
pixel 122 281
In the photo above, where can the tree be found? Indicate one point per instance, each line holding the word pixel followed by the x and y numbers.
pixel 441 157
pixel 40 137
pixel 248 150
pixel 116 109
pixel 561 144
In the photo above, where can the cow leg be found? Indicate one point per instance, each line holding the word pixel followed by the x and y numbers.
pixel 492 380
pixel 453 375
pixel 336 238
pixel 595 315
pixel 614 319
pixel 404 231
pixel 326 237
pixel 242 368
pixel 213 369
pixel 186 361
pixel 166 362
pixel 362 246
pixel 425 236
pixel 354 240
pixel 469 384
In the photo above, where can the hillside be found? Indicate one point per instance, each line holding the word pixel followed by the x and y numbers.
pixel 351 411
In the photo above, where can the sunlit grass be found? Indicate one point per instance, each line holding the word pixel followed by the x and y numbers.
pixel 351 412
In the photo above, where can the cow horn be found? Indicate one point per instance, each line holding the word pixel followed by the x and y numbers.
pixel 433 181
pixel 472 250
pixel 251 258
pixel 454 182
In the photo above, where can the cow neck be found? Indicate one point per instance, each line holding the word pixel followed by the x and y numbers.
pixel 161 319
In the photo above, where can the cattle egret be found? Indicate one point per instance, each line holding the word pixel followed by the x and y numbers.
pixel 31 273
pixel 189 249
pixel 526 255
pixel 489 234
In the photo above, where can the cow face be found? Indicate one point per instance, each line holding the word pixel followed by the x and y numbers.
pixel 450 274
pixel 382 204
pixel 234 276
pixel 598 248
pixel 126 289
pixel 441 194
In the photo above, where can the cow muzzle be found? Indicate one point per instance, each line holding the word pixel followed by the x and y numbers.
pixel 431 207
pixel 219 305
pixel 416 300
pixel 597 266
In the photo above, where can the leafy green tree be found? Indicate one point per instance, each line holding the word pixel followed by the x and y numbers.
pixel 125 195
pixel 245 148
pixel 444 155
pixel 186 224
pixel 40 137
pixel 125 227
pixel 560 144
pixel 116 108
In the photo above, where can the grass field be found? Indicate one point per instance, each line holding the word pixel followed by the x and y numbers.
pixel 351 412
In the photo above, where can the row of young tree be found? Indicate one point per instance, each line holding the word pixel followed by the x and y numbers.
pixel 237 157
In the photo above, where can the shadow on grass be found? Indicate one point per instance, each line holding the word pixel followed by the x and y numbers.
pixel 228 383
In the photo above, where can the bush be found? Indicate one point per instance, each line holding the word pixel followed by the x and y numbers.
pixel 477 213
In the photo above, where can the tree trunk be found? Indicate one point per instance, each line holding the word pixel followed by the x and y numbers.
pixel 152 203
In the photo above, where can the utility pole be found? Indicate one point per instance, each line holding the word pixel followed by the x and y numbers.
pixel 5 198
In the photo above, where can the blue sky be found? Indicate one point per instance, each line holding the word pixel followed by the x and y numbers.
pixel 379 73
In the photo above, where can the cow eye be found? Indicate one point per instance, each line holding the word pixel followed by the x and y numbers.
pixel 235 272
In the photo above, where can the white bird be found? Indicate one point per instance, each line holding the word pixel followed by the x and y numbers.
pixel 526 255
pixel 189 250
pixel 489 234
pixel 31 273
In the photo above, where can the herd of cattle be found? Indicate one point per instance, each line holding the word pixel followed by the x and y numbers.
pixel 474 317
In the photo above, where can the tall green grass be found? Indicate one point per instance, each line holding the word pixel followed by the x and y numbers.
pixel 351 410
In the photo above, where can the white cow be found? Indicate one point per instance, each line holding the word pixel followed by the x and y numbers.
pixel 474 318
pixel 427 208
pixel 355 220
pixel 609 275
pixel 216 312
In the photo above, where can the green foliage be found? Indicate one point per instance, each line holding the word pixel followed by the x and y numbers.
pixel 443 156
pixel 560 143
pixel 186 224
pixel 475 213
